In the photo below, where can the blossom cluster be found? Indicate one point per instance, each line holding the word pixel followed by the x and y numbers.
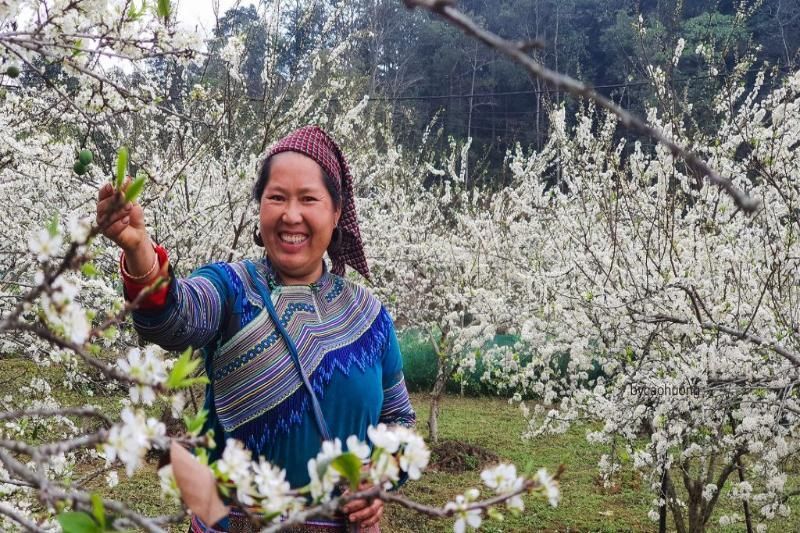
pixel 129 440
pixel 389 453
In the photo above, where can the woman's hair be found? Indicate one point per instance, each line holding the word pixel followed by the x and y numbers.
pixel 263 178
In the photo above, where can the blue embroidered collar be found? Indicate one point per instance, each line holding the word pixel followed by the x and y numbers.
pixel 273 278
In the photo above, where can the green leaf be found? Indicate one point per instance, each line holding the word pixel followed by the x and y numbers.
pixel 52 226
pixel 89 270
pixel 98 510
pixel 349 465
pixel 77 47
pixel 76 522
pixel 163 9
pixel 122 166
pixel 194 424
pixel 494 514
pixel 135 189
pixel 268 517
pixel 202 455
pixel 183 368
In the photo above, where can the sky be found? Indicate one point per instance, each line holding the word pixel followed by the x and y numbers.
pixel 200 13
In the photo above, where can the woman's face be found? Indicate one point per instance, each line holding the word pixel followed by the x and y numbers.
pixel 297 217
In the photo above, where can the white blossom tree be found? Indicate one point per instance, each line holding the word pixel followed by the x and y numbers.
pixel 687 305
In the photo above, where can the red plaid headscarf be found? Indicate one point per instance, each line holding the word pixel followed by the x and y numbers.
pixel 316 144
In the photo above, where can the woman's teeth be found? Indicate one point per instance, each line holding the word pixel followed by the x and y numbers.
pixel 293 238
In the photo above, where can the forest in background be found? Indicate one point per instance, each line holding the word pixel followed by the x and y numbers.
pixel 421 68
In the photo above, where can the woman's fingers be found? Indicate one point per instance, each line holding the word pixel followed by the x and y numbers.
pixel 104 192
pixel 354 505
pixel 375 518
pixel 105 215
pixel 117 227
pixel 369 515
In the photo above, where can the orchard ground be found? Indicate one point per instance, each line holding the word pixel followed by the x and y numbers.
pixel 488 422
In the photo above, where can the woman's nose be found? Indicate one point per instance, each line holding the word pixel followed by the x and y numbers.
pixel 292 214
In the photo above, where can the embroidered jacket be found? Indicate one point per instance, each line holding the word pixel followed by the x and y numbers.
pixel 345 339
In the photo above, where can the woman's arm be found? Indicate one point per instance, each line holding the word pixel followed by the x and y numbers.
pixel 192 314
pixel 183 312
pixel 396 408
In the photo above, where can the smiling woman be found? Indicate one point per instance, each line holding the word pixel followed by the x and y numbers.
pixel 298 216
pixel 295 353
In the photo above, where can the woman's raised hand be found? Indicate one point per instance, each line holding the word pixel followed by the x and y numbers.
pixel 126 228
pixel 126 225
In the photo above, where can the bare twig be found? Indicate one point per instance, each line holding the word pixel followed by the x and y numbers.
pixel 576 88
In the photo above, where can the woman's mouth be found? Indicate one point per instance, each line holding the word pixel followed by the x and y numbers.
pixel 293 238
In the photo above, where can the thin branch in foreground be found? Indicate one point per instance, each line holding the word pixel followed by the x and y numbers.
pixel 18 518
pixel 66 411
pixel 377 492
pixel 578 89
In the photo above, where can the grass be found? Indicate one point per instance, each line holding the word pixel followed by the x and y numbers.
pixel 495 425
pixel 488 422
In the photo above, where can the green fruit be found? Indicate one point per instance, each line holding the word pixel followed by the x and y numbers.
pixel 79 168
pixel 12 71
pixel 85 157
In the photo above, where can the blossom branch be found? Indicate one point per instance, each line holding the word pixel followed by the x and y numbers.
pixel 378 493
pixel 789 355
pixel 52 494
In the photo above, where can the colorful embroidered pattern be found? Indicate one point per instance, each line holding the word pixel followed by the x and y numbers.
pixel 397 406
pixel 192 312
pixel 253 373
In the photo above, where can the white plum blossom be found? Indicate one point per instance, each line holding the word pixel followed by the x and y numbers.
pixel 550 485
pixel 465 516
pixel 169 487
pixel 271 486
pixel 78 227
pixel 45 244
pixel 359 448
pixel 383 437
pixel 414 455
pixel 112 479
pixel 384 471
pixel 235 461
pixel 503 479
pixel 177 404
pixel 235 465
pixel 323 477
pixel 709 491
pixel 147 368
pixel 129 440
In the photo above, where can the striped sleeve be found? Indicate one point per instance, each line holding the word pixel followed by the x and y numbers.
pixel 396 407
pixel 194 310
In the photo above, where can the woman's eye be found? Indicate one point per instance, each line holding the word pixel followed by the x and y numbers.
pixel 275 198
pixel 309 199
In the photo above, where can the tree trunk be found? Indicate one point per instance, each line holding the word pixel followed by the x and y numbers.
pixel 748 520
pixel 436 400
pixel 662 510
